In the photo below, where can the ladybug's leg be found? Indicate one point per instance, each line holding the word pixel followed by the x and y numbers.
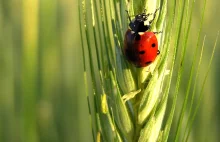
pixel 129 17
pixel 158 52
pixel 154 15
pixel 157 32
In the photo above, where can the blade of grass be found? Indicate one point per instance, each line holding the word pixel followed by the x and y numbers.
pixel 203 86
pixel 190 78
pixel 194 89
pixel 167 45
pixel 176 37
pixel 95 127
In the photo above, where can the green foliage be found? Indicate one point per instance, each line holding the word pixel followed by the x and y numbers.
pixel 117 116
pixel 130 103
pixel 56 54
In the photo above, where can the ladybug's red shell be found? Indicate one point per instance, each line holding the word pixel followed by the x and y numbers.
pixel 140 51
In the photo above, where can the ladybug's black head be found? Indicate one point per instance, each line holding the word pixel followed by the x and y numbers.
pixel 140 23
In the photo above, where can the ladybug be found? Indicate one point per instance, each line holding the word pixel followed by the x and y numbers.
pixel 141 45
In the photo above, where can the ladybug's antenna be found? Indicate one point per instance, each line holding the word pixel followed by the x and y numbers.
pixel 128 15
pixel 154 15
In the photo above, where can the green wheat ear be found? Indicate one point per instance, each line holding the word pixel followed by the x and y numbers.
pixel 128 103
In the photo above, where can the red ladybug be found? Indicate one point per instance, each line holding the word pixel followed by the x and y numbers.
pixel 140 45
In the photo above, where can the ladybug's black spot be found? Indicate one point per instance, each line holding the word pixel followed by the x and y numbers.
pixel 142 52
pixel 153 45
pixel 158 52
pixel 147 63
pixel 137 37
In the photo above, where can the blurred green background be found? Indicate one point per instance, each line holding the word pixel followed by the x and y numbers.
pixel 42 95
